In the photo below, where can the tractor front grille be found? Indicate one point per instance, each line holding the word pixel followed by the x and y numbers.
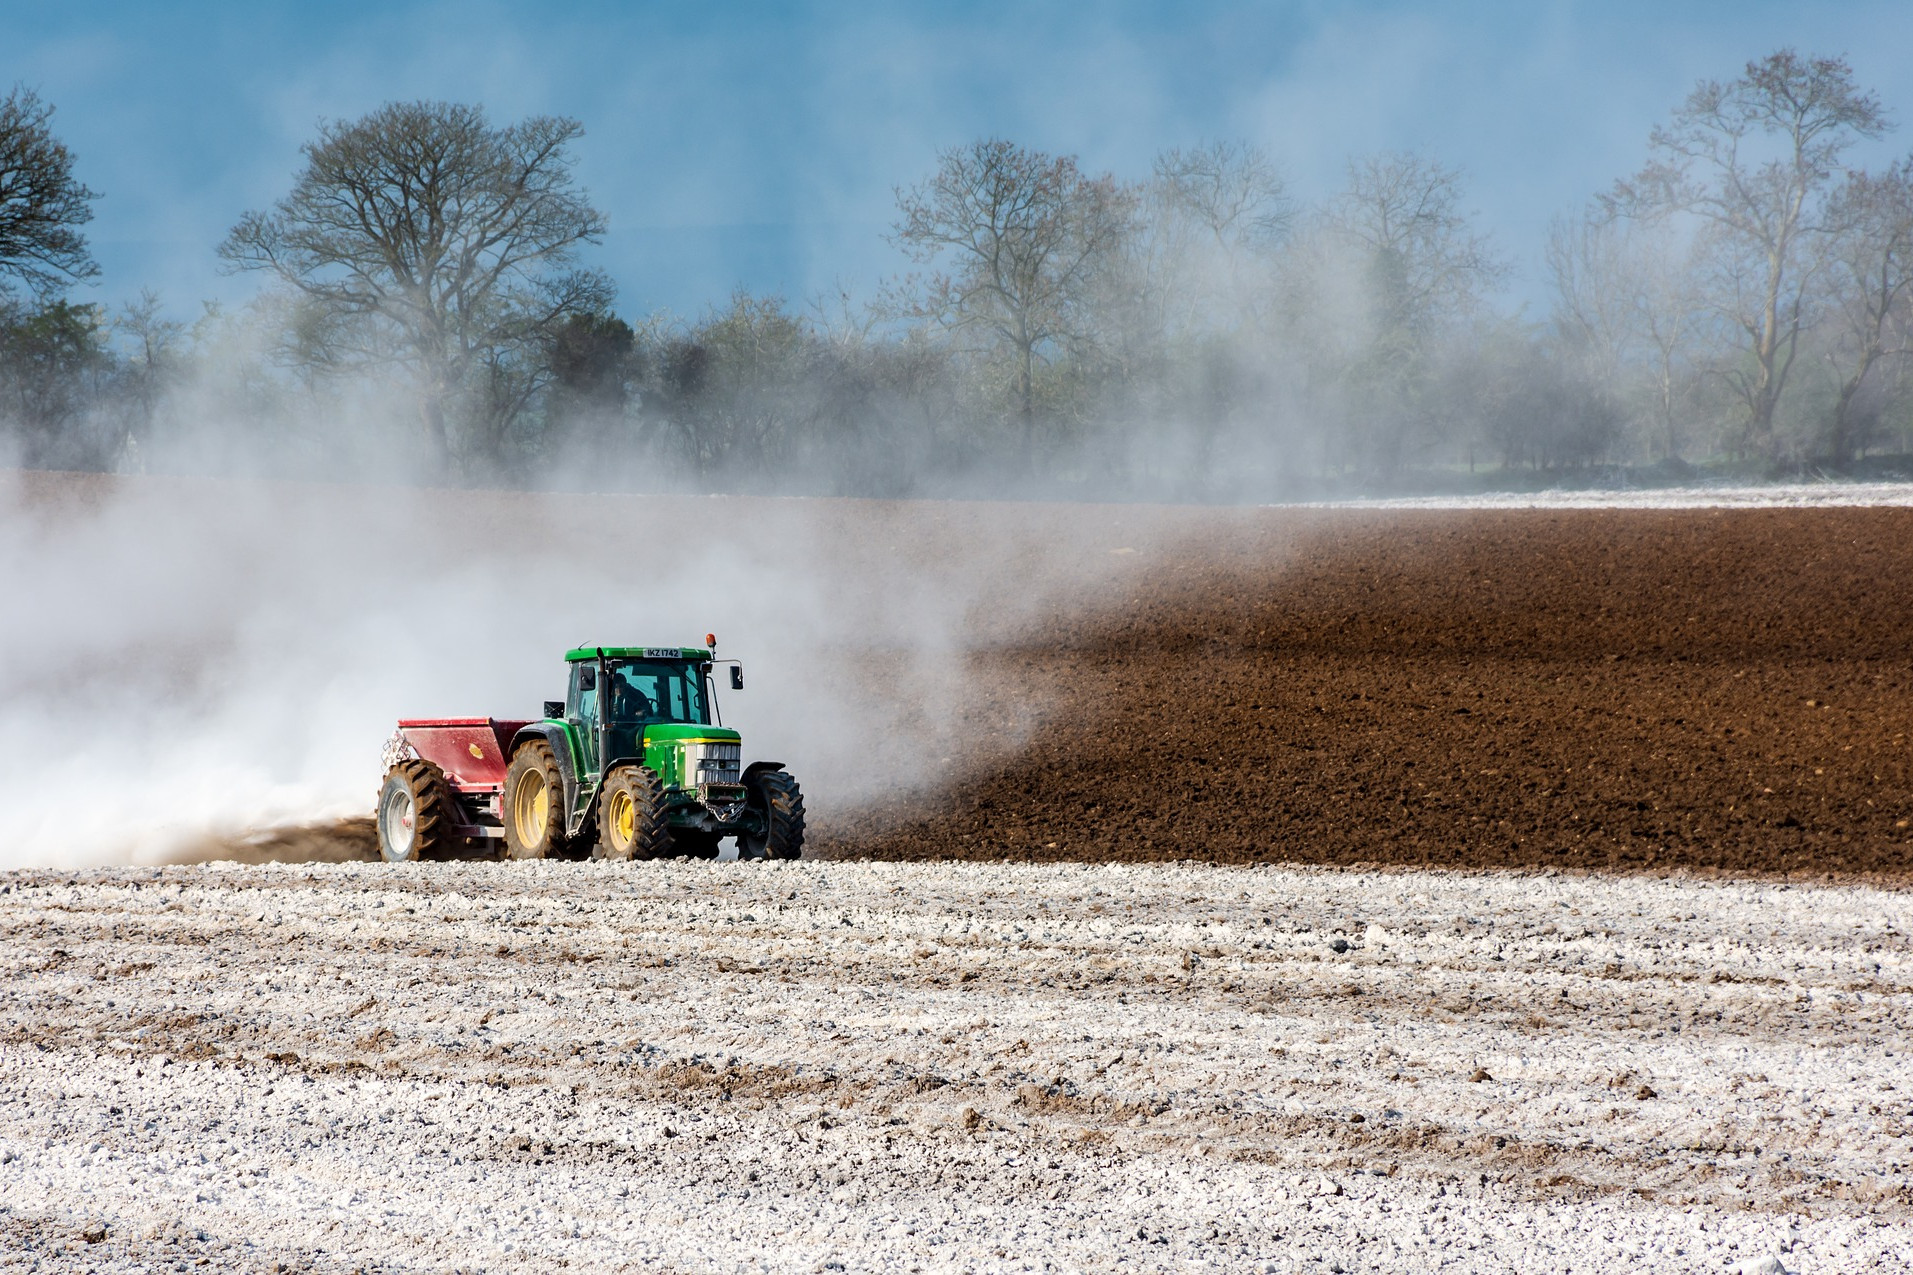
pixel 713 763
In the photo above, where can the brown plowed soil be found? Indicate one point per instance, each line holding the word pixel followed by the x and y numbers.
pixel 1717 690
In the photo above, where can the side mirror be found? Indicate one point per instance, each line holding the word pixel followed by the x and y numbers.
pixel 737 677
pixel 587 678
pixel 554 708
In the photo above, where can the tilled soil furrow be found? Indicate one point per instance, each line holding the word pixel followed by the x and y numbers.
pixel 1589 689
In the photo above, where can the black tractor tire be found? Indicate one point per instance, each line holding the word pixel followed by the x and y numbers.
pixel 533 806
pixel 415 813
pixel 779 805
pixel 631 822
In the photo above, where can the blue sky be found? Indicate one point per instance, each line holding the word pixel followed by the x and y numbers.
pixel 757 144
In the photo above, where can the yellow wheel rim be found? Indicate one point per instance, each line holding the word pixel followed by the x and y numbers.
pixel 624 818
pixel 534 808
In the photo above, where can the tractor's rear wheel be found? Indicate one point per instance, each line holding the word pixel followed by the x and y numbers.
pixel 415 808
pixel 631 816
pixel 534 804
pixel 779 806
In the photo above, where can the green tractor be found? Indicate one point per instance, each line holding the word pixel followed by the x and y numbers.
pixel 633 763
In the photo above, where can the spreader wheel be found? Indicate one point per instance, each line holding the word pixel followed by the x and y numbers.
pixel 779 806
pixel 631 816
pixel 534 804
pixel 414 818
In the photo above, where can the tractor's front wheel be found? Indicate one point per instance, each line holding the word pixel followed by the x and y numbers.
pixel 631 816
pixel 415 807
pixel 778 807
pixel 534 804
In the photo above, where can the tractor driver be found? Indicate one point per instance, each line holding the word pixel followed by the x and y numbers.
pixel 627 703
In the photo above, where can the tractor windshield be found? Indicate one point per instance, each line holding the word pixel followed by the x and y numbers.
pixel 649 691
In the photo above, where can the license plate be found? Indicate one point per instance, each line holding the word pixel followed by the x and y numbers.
pixel 663 653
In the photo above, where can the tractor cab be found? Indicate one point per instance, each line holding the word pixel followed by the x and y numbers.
pixel 618 696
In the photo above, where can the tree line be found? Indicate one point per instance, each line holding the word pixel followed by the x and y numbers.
pixel 1741 302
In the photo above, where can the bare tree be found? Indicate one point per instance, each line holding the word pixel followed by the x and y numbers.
pixel 1592 270
pixel 1424 262
pixel 42 207
pixel 1231 190
pixel 1871 267
pixel 1210 217
pixel 1671 316
pixel 1419 267
pixel 1753 160
pixel 1626 302
pixel 1025 235
pixel 423 235
pixel 150 362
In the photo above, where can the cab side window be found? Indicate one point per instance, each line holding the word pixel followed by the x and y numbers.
pixel 583 692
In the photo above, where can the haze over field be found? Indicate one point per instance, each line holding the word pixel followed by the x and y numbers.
pixel 207 658
pixel 1241 288
pixel 211 660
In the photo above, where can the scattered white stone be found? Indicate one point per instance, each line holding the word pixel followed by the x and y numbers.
pixel 639 1080
pixel 1767 1265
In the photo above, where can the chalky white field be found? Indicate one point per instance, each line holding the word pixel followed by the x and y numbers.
pixel 816 1066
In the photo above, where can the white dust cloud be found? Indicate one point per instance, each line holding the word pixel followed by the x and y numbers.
pixel 201 658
